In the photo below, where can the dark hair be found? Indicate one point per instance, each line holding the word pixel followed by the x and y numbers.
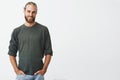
pixel 30 3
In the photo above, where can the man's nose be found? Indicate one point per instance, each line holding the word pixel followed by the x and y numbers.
pixel 30 14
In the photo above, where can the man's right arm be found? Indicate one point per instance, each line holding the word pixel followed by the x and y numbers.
pixel 13 47
pixel 13 62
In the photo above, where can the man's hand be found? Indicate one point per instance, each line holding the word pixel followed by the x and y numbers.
pixel 18 72
pixel 41 72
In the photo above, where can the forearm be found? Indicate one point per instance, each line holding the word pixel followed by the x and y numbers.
pixel 46 61
pixel 14 63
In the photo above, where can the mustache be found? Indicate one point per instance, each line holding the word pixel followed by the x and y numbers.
pixel 30 16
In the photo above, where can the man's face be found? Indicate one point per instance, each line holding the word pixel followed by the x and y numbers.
pixel 30 13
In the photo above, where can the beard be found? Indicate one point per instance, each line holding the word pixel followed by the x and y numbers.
pixel 30 19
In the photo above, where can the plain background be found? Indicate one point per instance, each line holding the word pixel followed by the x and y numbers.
pixel 84 33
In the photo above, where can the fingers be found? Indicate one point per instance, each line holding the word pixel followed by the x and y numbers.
pixel 41 72
pixel 38 72
pixel 21 72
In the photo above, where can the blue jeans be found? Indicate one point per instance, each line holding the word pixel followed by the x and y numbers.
pixel 29 77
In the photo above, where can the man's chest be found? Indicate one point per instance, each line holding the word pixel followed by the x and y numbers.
pixel 26 36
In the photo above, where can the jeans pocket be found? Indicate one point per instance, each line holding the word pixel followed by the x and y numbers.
pixel 20 77
pixel 39 77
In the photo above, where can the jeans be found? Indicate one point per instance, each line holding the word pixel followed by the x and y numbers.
pixel 29 77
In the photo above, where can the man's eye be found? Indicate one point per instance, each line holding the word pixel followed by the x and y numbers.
pixel 28 11
pixel 33 11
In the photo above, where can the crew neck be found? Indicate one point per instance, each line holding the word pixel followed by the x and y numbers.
pixel 31 26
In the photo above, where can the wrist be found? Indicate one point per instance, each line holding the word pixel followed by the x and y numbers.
pixel 44 69
pixel 16 69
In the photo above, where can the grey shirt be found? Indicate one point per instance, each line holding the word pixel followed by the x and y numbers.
pixel 32 43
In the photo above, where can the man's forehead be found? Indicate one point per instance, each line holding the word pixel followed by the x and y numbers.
pixel 30 6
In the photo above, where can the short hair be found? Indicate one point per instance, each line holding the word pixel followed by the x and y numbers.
pixel 30 3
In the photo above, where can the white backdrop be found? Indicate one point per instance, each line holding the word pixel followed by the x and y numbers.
pixel 84 33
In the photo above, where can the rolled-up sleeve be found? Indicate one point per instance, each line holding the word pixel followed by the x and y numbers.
pixel 13 44
pixel 47 45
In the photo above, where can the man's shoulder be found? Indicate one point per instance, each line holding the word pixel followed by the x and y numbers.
pixel 42 26
pixel 17 29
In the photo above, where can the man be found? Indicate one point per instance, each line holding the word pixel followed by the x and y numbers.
pixel 33 42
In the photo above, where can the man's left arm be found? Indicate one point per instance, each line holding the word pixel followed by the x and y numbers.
pixel 47 52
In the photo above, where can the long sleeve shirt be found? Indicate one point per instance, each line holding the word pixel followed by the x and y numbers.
pixel 32 43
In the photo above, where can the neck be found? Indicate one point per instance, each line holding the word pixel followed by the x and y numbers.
pixel 30 24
